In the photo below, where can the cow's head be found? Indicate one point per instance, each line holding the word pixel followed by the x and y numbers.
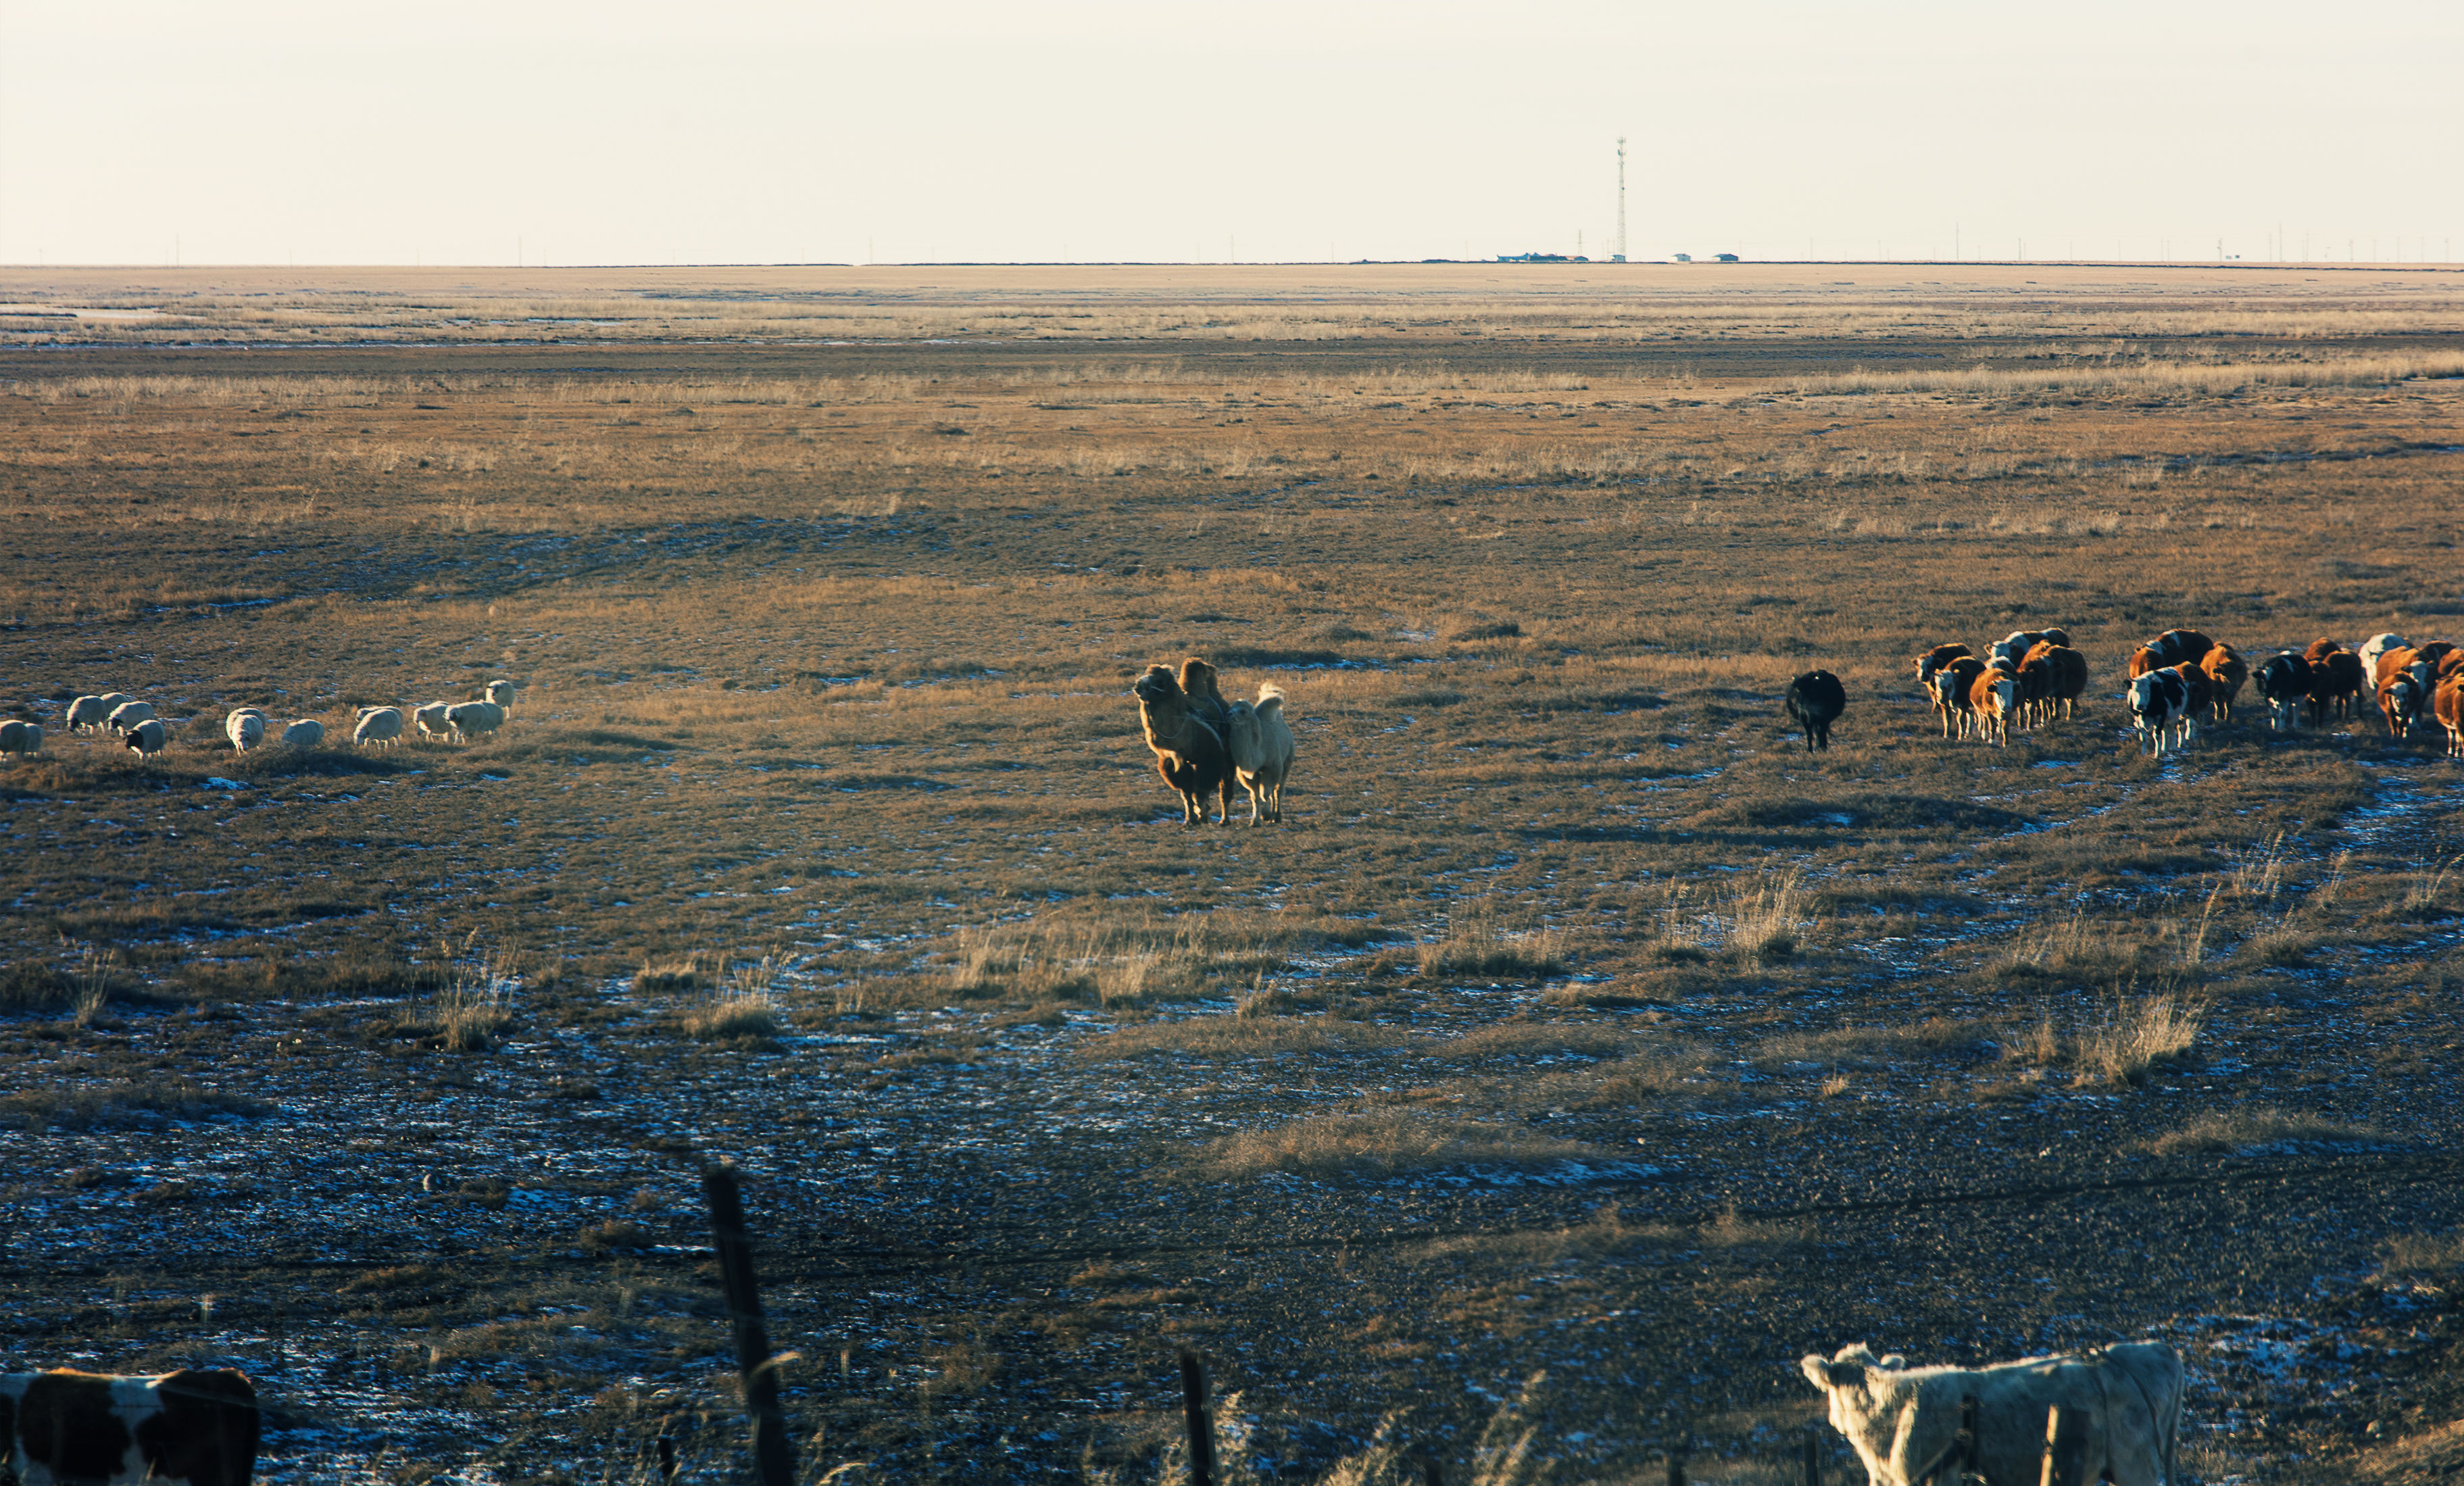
pixel 1857 1385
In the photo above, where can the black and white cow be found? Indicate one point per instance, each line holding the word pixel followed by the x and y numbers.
pixel 189 1428
pixel 2160 704
pixel 2283 683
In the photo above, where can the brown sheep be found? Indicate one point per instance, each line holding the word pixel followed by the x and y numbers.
pixel 1189 754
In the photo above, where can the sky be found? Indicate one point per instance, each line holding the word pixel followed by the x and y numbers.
pixel 745 131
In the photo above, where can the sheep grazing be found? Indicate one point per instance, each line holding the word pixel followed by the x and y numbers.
pixel 246 727
pixel 1261 745
pixel 430 719
pixel 20 738
pixel 128 714
pixel 470 719
pixel 148 738
pixel 1189 754
pixel 500 692
pixel 1814 702
pixel 378 724
pixel 86 714
pixel 305 733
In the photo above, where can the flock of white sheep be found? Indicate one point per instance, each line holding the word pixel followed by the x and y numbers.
pixel 134 723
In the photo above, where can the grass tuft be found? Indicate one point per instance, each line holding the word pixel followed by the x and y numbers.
pixel 1380 1143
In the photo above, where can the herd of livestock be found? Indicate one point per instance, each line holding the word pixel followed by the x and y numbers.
pixel 2182 677
pixel 144 733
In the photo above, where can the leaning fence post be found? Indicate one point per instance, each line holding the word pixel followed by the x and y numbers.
pixel 774 1458
pixel 2065 1447
pixel 1201 1429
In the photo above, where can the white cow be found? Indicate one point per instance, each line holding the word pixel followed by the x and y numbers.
pixel 1904 1421
pixel 2371 649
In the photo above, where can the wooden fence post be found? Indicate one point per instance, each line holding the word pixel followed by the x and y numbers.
pixel 1676 1468
pixel 1813 1459
pixel 2065 1447
pixel 774 1455
pixel 1201 1429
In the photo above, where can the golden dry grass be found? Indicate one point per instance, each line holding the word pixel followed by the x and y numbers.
pixel 823 650
pixel 1378 1143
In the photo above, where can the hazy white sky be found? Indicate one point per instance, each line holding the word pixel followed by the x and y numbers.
pixel 340 131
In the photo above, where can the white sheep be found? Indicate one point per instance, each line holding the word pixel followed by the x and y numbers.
pixel 127 715
pixel 501 692
pixel 246 726
pixel 1261 745
pixel 20 738
pixel 305 733
pixel 431 719
pixel 468 719
pixel 378 724
pixel 86 714
pixel 147 737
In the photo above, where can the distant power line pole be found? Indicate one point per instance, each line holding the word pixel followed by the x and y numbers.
pixel 1619 256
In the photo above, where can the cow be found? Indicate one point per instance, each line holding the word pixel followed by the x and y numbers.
pixel 2372 648
pixel 2321 648
pixel 1952 686
pixel 2283 682
pixel 2014 646
pixel 193 1427
pixel 2068 677
pixel 1814 702
pixel 2226 672
pixel 1992 700
pixel 1928 666
pixel 2448 706
pixel 2172 647
pixel 2035 680
pixel 2336 680
pixel 2395 660
pixel 2203 692
pixel 2402 700
pixel 2160 703
pixel 1904 1422
pixel 2449 663
pixel 1934 660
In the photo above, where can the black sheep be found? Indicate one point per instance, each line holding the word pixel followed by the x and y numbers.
pixel 1814 702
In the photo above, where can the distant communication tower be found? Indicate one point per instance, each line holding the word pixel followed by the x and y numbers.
pixel 1619 256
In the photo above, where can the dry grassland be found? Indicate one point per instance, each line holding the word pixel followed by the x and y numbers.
pixel 1578 1052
